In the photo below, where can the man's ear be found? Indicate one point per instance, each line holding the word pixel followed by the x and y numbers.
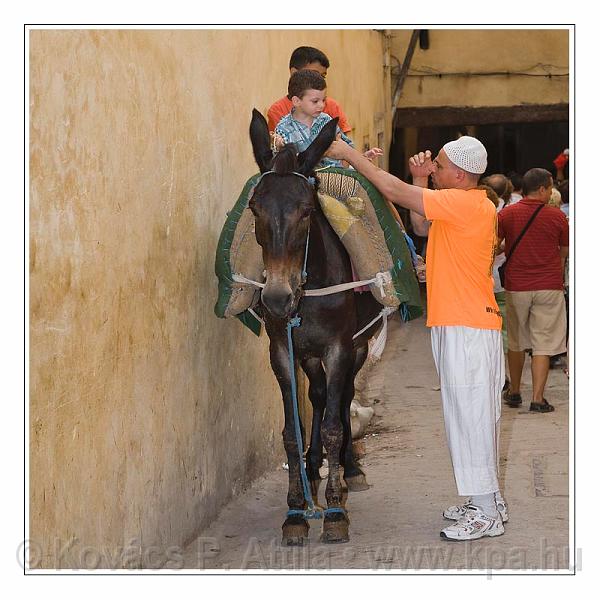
pixel 261 142
pixel 310 158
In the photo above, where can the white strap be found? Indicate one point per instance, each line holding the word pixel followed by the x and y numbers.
pixel 334 289
pixel 379 280
pixel 387 310
pixel 256 316
pixel 241 279
pixel 378 343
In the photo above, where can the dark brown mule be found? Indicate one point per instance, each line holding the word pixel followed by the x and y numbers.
pixel 285 206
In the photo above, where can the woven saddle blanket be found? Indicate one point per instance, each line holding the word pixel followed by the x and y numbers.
pixel 362 220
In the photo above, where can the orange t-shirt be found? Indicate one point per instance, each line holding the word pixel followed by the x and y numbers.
pixel 284 106
pixel 460 257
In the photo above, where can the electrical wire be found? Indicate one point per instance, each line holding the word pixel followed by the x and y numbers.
pixel 426 71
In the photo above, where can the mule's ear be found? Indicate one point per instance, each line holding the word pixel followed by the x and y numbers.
pixel 310 158
pixel 261 142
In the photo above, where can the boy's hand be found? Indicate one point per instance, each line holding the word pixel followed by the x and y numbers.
pixel 420 164
pixel 277 142
pixel 373 153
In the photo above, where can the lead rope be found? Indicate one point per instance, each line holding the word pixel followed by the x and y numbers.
pixel 311 512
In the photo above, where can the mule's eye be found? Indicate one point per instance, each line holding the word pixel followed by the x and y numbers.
pixel 306 212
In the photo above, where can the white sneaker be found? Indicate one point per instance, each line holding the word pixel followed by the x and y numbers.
pixel 456 512
pixel 474 524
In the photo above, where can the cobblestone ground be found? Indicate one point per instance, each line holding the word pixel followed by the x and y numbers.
pixel 396 523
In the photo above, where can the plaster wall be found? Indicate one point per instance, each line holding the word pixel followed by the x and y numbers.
pixel 147 413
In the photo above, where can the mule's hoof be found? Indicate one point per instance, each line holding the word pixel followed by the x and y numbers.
pixel 358 483
pixel 292 541
pixel 294 534
pixel 335 532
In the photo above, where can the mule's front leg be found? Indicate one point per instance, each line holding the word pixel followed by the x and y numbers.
pixel 295 527
pixel 338 364
pixel 317 393
pixel 353 475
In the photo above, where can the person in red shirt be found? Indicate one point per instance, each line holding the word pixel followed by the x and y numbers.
pixel 306 57
pixel 535 304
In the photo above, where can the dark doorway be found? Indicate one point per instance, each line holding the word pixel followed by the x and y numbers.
pixel 522 146
pixel 514 147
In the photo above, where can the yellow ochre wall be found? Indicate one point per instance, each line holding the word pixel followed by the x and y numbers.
pixel 530 55
pixel 147 413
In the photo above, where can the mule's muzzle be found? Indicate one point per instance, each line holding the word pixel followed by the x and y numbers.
pixel 280 299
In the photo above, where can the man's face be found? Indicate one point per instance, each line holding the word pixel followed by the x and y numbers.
pixel 311 104
pixel 314 66
pixel 444 174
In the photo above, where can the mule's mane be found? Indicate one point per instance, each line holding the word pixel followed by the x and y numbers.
pixel 285 161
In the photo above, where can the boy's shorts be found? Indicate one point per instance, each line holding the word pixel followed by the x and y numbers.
pixel 536 320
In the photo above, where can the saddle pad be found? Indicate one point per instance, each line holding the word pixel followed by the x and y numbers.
pixel 361 218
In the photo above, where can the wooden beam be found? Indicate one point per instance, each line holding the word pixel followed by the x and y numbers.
pixel 441 116
pixel 404 70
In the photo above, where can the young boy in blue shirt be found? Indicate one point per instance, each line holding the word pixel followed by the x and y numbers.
pixel 306 90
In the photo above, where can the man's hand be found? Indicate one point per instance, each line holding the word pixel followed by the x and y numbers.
pixel 338 150
pixel 420 165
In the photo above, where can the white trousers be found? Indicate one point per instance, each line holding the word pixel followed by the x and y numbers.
pixel 470 363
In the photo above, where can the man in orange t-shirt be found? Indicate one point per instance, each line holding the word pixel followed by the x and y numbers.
pixel 463 315
pixel 306 57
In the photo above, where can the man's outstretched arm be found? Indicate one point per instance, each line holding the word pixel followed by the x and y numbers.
pixel 394 189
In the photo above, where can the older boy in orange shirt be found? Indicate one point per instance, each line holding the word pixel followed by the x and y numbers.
pixel 306 57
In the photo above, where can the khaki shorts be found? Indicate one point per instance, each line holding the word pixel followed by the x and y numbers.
pixel 537 320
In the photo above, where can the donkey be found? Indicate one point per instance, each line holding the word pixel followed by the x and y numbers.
pixel 286 207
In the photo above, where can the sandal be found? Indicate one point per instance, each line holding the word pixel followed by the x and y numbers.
pixel 542 407
pixel 513 400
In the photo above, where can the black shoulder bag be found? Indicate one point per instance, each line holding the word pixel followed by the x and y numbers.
pixel 502 267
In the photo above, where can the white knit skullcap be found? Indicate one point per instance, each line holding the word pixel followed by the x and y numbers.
pixel 467 153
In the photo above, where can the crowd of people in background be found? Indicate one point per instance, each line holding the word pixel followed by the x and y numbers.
pixel 535 318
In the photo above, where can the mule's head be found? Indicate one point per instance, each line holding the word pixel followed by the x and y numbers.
pixel 282 203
